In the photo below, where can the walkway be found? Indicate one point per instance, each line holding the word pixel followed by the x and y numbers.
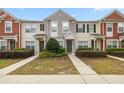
pixel 62 79
pixel 81 67
pixel 13 67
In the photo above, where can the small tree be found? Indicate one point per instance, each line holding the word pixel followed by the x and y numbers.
pixel 52 45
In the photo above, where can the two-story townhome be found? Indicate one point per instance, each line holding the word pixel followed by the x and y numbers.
pixel 9 31
pixel 70 33
pixel 112 27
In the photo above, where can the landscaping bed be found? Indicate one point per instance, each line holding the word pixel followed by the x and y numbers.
pixel 7 62
pixel 47 66
pixel 105 65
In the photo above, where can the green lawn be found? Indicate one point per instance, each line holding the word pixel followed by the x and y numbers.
pixel 105 65
pixel 48 66
pixel 7 62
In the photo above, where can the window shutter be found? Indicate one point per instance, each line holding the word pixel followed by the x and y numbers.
pixel 87 28
pixel 41 27
pixel 76 27
pixel 94 28
pixel 83 28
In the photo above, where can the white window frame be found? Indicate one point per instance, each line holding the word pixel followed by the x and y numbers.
pixel 5 44
pixel 54 34
pixel 121 24
pixel 30 44
pixel 91 30
pixel 63 26
pixel 82 45
pixel 30 26
pixel 6 26
pixel 108 41
pixel 108 33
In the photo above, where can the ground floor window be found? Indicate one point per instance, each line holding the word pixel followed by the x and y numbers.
pixel 122 44
pixel 3 45
pixel 61 43
pixel 82 44
pixel 111 44
pixel 30 45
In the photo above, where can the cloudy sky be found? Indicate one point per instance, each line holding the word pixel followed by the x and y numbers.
pixel 78 13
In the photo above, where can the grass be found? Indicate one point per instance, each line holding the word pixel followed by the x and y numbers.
pixel 7 62
pixel 105 65
pixel 48 66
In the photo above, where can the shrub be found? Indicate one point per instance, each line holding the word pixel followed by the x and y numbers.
pixel 16 54
pixel 85 49
pixel 90 53
pixel 109 50
pixel 48 54
pixel 60 50
pixel 117 53
pixel 52 45
pixel 19 49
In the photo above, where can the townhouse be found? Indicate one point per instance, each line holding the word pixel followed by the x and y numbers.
pixel 70 33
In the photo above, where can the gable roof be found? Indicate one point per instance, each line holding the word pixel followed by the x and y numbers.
pixel 6 14
pixel 60 12
pixel 110 14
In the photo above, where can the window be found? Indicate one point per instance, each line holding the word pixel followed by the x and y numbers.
pixel 120 27
pixel 65 27
pixel 61 44
pixel 91 28
pixel 8 26
pixel 29 45
pixel 111 44
pixel 30 29
pixel 41 27
pixel 54 27
pixel 2 45
pixel 80 28
pixel 82 44
pixel 109 27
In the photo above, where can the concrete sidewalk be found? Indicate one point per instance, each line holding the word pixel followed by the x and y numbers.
pixel 62 79
pixel 80 66
pixel 13 67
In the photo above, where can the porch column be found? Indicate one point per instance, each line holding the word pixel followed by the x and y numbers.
pixel 36 47
pixel 104 44
pixel 94 44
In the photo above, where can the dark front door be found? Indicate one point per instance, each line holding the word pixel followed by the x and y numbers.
pixel 69 45
pixel 41 46
pixel 12 45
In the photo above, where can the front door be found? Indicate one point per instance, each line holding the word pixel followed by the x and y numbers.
pixel 69 45
pixel 12 45
pixel 41 46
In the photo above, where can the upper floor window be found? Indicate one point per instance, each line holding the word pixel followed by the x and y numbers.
pixel 30 45
pixel 120 27
pixel 30 28
pixel 65 27
pixel 80 28
pixel 91 28
pixel 8 26
pixel 41 27
pixel 109 27
pixel 82 44
pixel 54 26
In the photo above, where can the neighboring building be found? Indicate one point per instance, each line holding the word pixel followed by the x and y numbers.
pixel 9 31
pixel 70 33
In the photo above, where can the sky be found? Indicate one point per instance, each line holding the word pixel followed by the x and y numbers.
pixel 81 14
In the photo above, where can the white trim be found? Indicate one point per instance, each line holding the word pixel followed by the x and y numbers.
pixel 68 26
pixel 51 33
pixel 11 26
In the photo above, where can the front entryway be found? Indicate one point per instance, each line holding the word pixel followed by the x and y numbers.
pixel 41 46
pixel 12 44
pixel 69 46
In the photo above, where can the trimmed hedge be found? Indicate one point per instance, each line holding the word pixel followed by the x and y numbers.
pixel 90 53
pixel 85 49
pixel 19 49
pixel 16 54
pixel 117 53
pixel 109 50
pixel 47 54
